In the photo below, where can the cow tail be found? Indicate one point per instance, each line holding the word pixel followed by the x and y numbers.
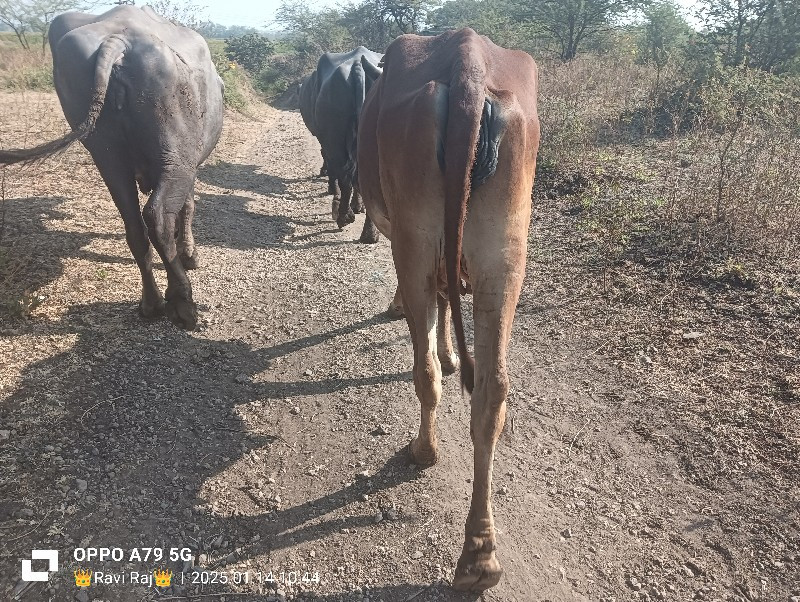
pixel 110 51
pixel 465 106
pixel 358 82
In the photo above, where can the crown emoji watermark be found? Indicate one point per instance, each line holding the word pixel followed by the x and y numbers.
pixel 163 578
pixel 83 578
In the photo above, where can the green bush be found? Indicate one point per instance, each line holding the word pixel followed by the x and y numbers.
pixel 251 51
pixel 235 80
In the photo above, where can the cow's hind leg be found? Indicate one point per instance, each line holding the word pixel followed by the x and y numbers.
pixel 333 189
pixel 187 251
pixel 494 250
pixel 346 215
pixel 444 342
pixel 418 287
pixel 161 214
pixel 122 185
pixel 478 567
pixel 395 311
pixel 356 204
pixel 369 234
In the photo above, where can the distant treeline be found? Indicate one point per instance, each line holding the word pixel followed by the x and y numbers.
pixel 761 34
pixel 215 31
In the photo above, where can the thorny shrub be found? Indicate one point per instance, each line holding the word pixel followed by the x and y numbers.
pixel 711 163
pixel 22 69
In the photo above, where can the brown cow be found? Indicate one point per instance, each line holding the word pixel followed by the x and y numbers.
pixel 452 125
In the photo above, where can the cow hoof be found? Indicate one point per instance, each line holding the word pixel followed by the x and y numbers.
pixel 450 363
pixel 151 310
pixel 335 209
pixel 182 313
pixel 369 238
pixel 343 220
pixel 190 262
pixel 395 312
pixel 422 455
pixel 477 571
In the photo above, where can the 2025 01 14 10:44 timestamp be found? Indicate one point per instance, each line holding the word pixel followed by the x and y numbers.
pixel 282 577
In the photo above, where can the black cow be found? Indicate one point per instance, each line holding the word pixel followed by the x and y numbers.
pixel 306 100
pixel 144 98
pixel 330 102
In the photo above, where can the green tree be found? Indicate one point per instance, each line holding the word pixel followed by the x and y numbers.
pixel 497 19
pixel 182 12
pixel 572 22
pixel 665 32
pixel 251 51
pixel 34 16
pixel 734 25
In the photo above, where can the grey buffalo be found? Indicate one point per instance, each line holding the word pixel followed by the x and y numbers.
pixel 143 96
pixel 331 99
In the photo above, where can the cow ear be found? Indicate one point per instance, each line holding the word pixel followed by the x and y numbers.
pixel 370 70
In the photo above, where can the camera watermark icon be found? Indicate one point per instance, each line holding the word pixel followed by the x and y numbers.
pixel 51 556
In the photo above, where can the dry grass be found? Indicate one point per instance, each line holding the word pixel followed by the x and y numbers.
pixel 677 231
pixel 22 69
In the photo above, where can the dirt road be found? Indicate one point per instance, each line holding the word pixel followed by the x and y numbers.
pixel 273 438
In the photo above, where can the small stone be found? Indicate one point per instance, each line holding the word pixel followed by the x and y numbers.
pixel 81 484
pixel 381 430
pixel 566 533
pixel 82 596
pixel 295 410
pixel 308 372
pixel 417 554
pixel 378 516
pixel 691 569
pixel 4 434
pixel 691 336
pixel 503 490
pixel 634 584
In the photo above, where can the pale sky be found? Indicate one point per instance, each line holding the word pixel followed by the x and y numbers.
pixel 261 13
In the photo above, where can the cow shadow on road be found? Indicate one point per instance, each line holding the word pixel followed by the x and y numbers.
pixel 225 220
pixel 118 432
pixel 32 251
pixel 238 176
